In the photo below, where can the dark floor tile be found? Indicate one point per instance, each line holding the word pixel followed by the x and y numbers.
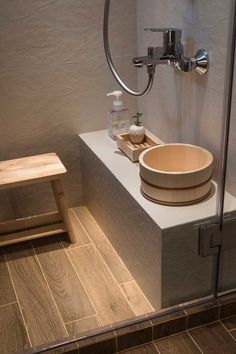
pixel 101 344
pixel 169 324
pixel 202 314
pixel 233 333
pixel 63 351
pixel 134 335
pixel 143 349
pixel 179 344
pixel 229 322
pixel 227 305
pixel 213 338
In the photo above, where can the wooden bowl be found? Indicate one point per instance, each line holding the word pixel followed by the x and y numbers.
pixel 176 173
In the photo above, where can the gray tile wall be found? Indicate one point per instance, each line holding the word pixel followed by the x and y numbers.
pixel 53 84
pixel 186 107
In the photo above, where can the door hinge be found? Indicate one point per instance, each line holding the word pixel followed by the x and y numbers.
pixel 211 238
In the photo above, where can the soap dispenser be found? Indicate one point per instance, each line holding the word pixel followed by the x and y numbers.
pixel 118 122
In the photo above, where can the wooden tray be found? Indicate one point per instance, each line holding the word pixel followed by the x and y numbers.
pixel 134 150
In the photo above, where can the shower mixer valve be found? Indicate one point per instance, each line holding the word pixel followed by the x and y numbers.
pixel 172 54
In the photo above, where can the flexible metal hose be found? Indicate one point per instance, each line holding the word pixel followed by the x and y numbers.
pixel 110 62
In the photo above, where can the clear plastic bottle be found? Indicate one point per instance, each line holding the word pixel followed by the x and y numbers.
pixel 118 121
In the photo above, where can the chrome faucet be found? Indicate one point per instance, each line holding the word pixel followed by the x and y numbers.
pixel 172 54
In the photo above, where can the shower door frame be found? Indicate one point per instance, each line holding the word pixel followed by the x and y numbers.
pixel 224 145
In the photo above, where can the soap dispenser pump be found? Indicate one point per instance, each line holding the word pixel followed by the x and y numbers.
pixel 118 122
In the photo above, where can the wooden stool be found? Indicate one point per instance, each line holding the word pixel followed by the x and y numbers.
pixel 30 170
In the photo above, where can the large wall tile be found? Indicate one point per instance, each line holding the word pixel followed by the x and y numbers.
pixel 54 80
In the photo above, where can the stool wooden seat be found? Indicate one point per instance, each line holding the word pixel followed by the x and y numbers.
pixel 31 170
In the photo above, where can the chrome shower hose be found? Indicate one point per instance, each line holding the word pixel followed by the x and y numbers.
pixel 110 61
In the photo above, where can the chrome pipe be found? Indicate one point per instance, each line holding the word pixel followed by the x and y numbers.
pixel 150 69
pixel 226 114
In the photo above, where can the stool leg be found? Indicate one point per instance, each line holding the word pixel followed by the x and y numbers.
pixel 62 207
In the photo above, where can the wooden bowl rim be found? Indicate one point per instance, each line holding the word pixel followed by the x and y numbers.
pixel 158 147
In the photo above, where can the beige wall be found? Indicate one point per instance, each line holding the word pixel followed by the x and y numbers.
pixel 53 84
pixel 184 107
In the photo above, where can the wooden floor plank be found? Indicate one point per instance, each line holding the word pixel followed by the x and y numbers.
pixel 84 324
pixel 38 307
pixel 13 335
pixel 67 290
pixel 104 247
pixel 179 344
pixel 213 338
pixel 7 294
pixel 105 294
pixel 136 298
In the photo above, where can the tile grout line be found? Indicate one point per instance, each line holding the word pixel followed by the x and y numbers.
pixel 104 237
pixel 82 284
pixel 152 308
pixel 158 351
pixel 72 247
pixel 82 226
pixel 10 303
pixel 193 340
pixel 112 275
pixel 103 261
pixel 170 335
pixel 228 330
pixel 80 319
pixel 18 302
pixel 44 276
pixel 202 325
pixel 119 284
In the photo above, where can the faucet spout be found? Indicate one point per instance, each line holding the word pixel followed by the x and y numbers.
pixel 155 57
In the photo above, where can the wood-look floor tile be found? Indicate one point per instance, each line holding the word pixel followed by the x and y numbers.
pixel 179 344
pixel 80 233
pixel 143 349
pixel 213 338
pixel 106 250
pixel 13 335
pixel 229 322
pixel 105 294
pixel 136 298
pixel 7 294
pixel 83 325
pixel 67 290
pixel 38 307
